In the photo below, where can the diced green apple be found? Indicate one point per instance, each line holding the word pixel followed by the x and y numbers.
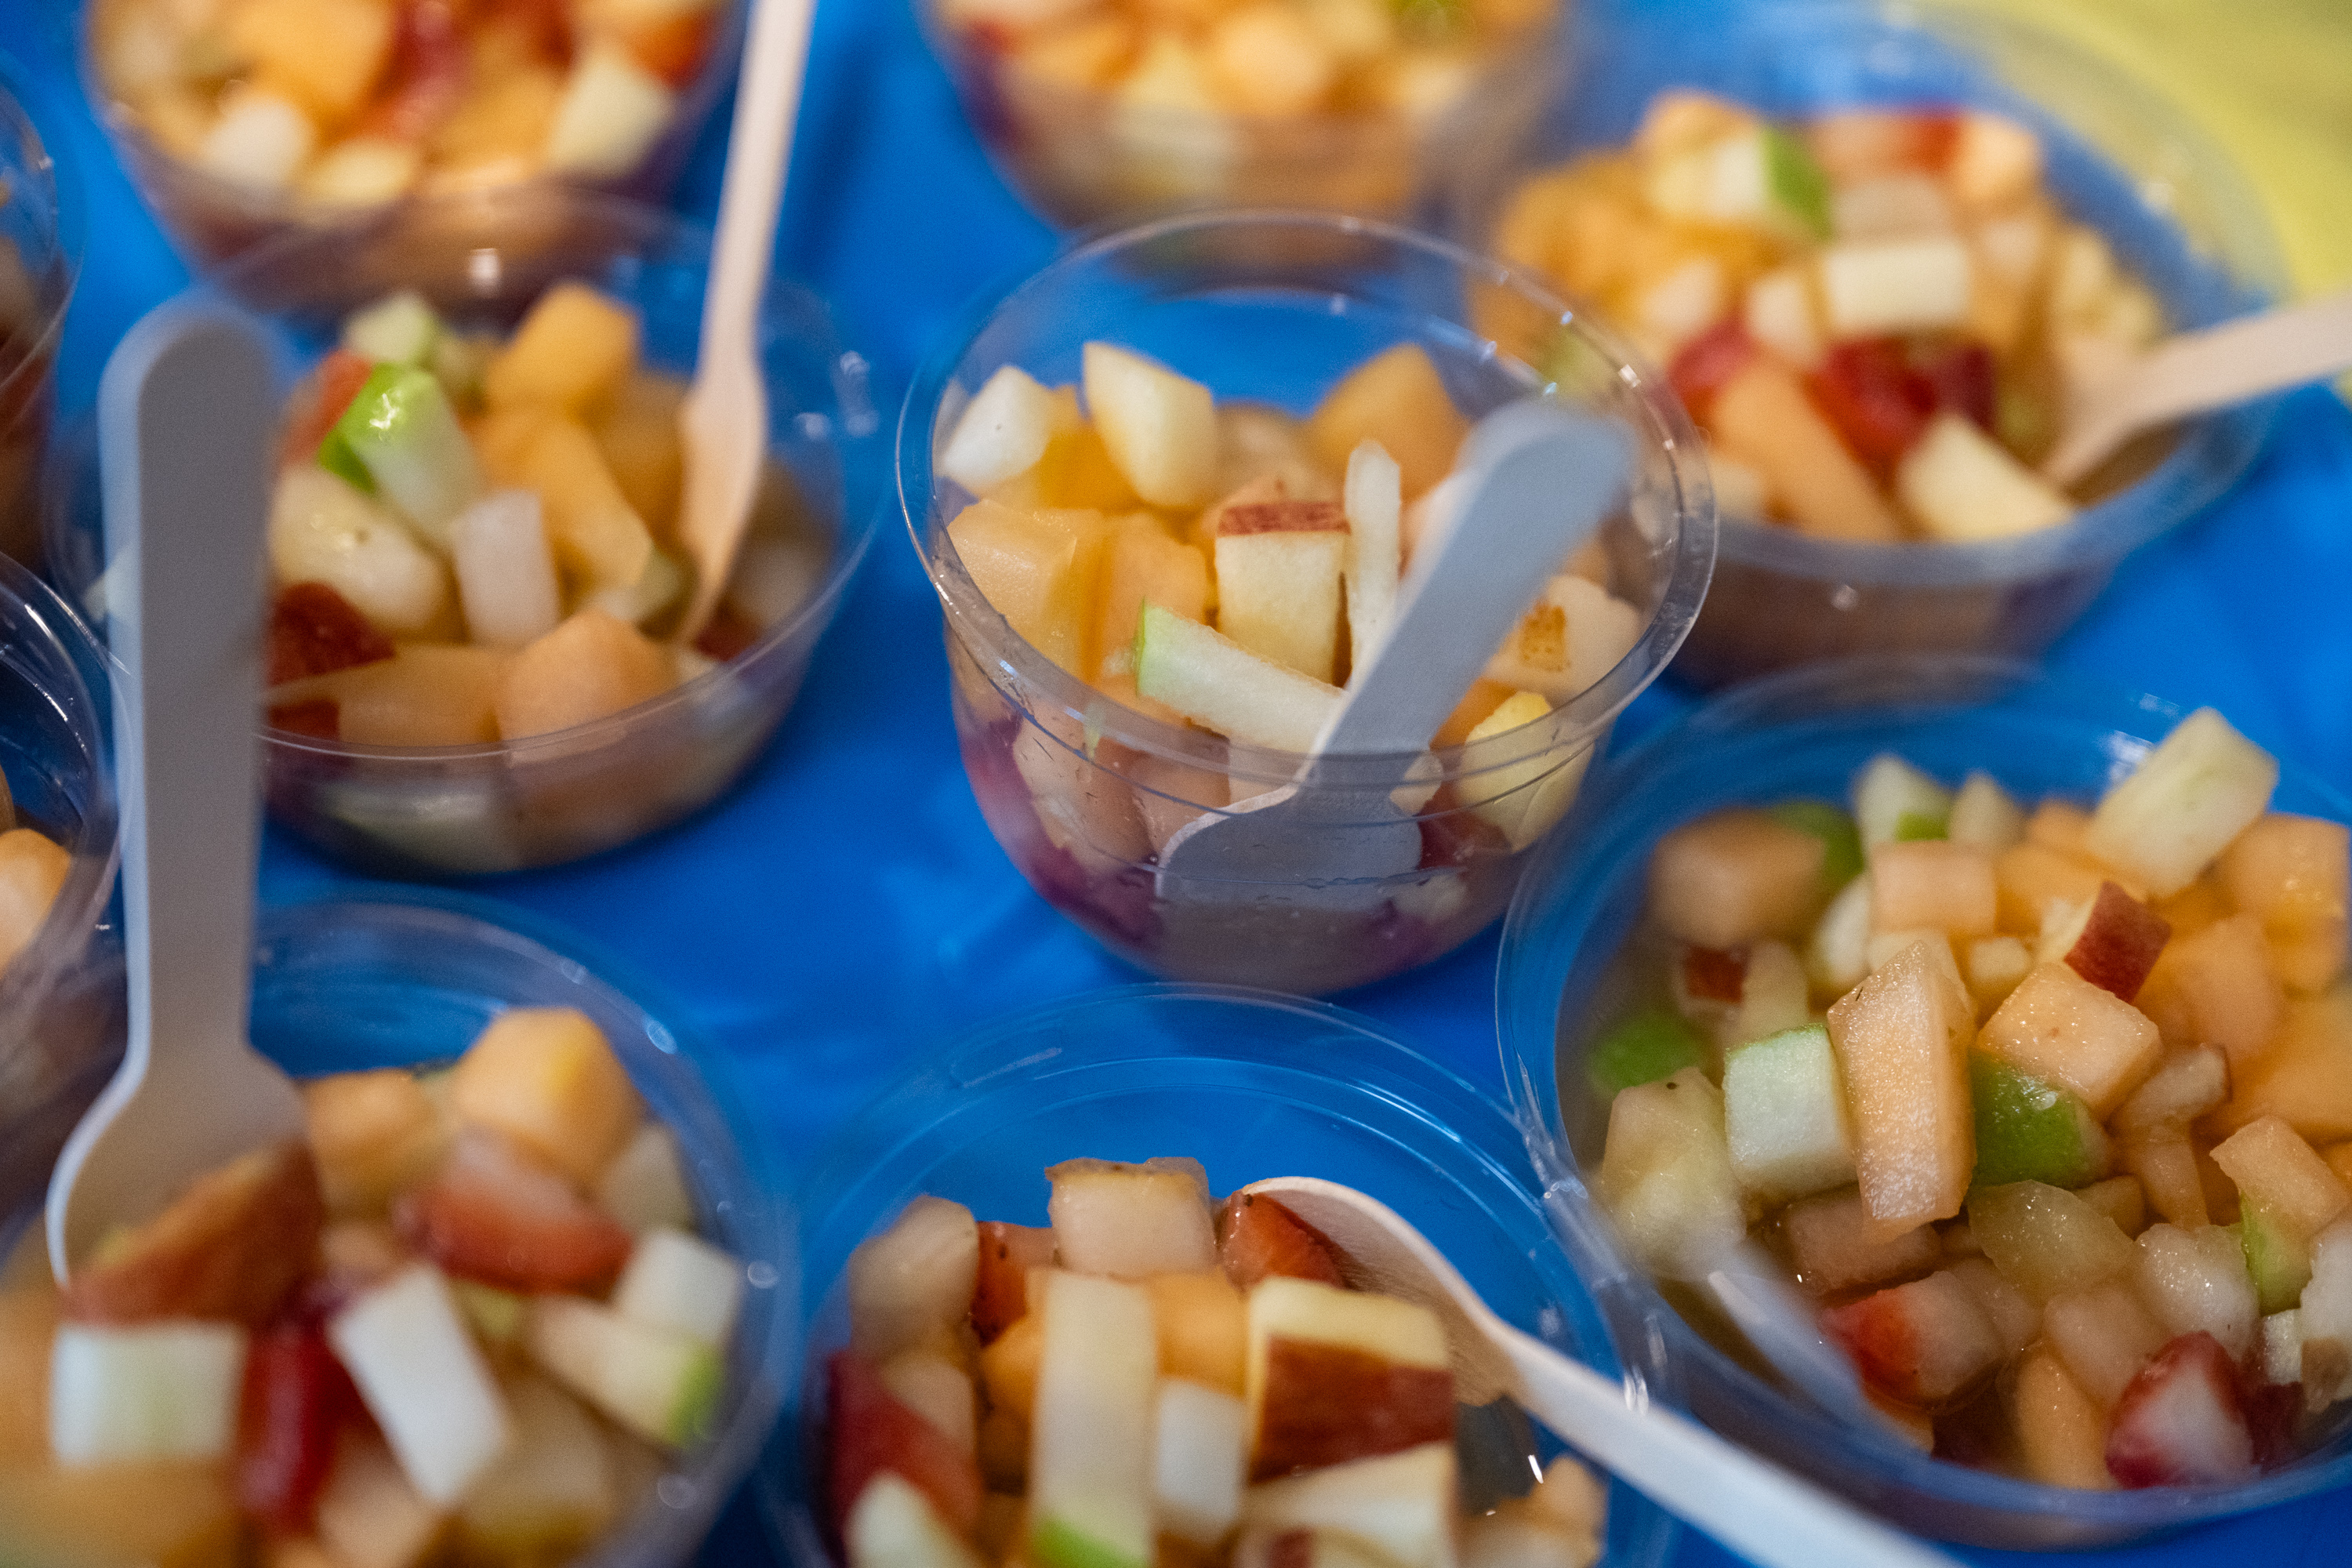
pixel 665 1386
pixel 1785 1116
pixel 143 1391
pixel 2202 787
pixel 401 426
pixel 1160 428
pixel 894 1525
pixel 680 1282
pixel 1090 1487
pixel 1002 432
pixel 1895 802
pixel 1874 287
pixel 1199 1456
pixel 2029 1130
pixel 1666 1176
pixel 399 328
pixel 2278 1261
pixel 1963 486
pixel 1217 682
pixel 914 1279
pixel 407 1348
pixel 1655 1043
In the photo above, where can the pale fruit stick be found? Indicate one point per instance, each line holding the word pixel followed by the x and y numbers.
pixel 1374 502
pixel 1764 419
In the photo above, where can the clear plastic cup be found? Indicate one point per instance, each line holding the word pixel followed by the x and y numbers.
pixel 214 219
pixel 1274 306
pixel 1807 732
pixel 2121 158
pixel 401 977
pixel 427 811
pixel 1253 1086
pixel 1081 156
pixel 40 255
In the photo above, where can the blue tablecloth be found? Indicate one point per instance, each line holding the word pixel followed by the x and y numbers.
pixel 846 908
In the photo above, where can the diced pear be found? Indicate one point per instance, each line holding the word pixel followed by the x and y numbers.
pixel 914 1279
pixel 144 1392
pixel 1398 399
pixel 1963 486
pixel 1785 1116
pixel 1834 1246
pixel 1199 1455
pixel 2045 1240
pixel 1666 1177
pixel 2194 1280
pixel 2058 1027
pixel 260 140
pixel 1090 1486
pixel 406 1346
pixel 1160 427
pixel 506 572
pixel 664 1386
pixel 1279 569
pixel 1002 432
pixel 1130 1220
pixel 1374 504
pixel 427 694
pixel 2200 788
pixel 2105 1334
pixel 1896 802
pixel 1984 816
pixel 680 1282
pixel 324 530
pixel 610 111
pixel 1401 1505
pixel 1837 957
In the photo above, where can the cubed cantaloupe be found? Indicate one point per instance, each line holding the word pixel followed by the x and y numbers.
pixel 1398 399
pixel 2305 1077
pixel 2294 875
pixel 176 1515
pixel 592 666
pixel 2216 989
pixel 1039 570
pixel 1077 470
pixel 2058 1027
pixel 636 430
pixel 324 54
pixel 32 870
pixel 2278 1171
pixel 1932 883
pixel 574 347
pixel 427 694
pixel 2061 1432
pixel 548 1079
pixel 1902 1038
pixel 1142 561
pixel 373 1135
pixel 1203 1328
pixel 1733 876
pixel 28 1324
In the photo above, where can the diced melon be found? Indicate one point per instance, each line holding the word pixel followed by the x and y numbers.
pixel 1934 884
pixel 2016 1321
pixel 597 534
pixel 370 1514
pixel 1666 1177
pixel 591 666
pixel 547 1078
pixel 1902 1038
pixel 1521 799
pixel 177 1515
pixel 371 1134
pixel 2058 1027
pixel 2061 1432
pixel 1039 570
pixel 2277 1171
pixel 1963 487
pixel 2294 875
pixel 575 346
pixel 1785 1118
pixel 427 694
pixel 1994 966
pixel 1203 1329
pixel 2216 987
pixel 636 428
pixel 2305 1077
pixel 1763 418
pixel 1398 399
pixel 327 53
pixel 2105 1335
pixel 1994 161
pixel 32 867
pixel 1733 876
pixel 2200 788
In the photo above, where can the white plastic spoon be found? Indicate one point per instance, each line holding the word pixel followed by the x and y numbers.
pixel 1546 478
pixel 1763 1513
pixel 185 420
pixel 724 421
pixel 2195 373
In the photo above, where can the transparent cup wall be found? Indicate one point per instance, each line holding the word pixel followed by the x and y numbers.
pixel 1081 790
pixel 39 254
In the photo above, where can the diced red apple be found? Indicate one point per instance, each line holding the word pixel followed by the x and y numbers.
pixel 1337 1374
pixel 2118 942
pixel 295 1398
pixel 871 1432
pixel 2182 1422
pixel 1000 1294
pixel 1401 1505
pixel 1279 569
pixel 230 1248
pixel 490 1214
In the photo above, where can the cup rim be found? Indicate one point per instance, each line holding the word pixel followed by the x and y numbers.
pixel 25 108
pixel 990 639
pixel 1528 1006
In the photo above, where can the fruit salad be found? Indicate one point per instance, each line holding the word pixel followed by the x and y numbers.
pixel 2047 1111
pixel 1110 107
pixel 467 1314
pixel 33 869
pixel 1219 567
pixel 328 105
pixel 1878 316
pixel 473 541
pixel 1153 1377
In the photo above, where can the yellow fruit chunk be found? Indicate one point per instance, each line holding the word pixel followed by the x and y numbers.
pixel 547 1078
pixel 1160 428
pixel 1140 561
pixel 1932 884
pixel 502 125
pixel 1902 1038
pixel 1203 1329
pixel 1039 570
pixel 575 346
pixel 28 1323
pixel 1008 1367
pixel 1398 399
pixel 1726 879
pixel 595 531
pixel 1267 58
pixel 2276 1171
pixel 2062 1433
pixel 592 666
pixel 1077 471
pixel 2217 988
pixel 2033 875
pixel 159 1516
pixel 373 1134
pixel 32 870
pixel 429 694
pixel 2294 875
pixel 2058 1027
pixel 637 433
pixel 1522 798
pixel 1763 418
pixel 325 54
pixel 2305 1077
pixel 2202 785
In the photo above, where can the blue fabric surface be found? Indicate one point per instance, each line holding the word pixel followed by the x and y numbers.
pixel 846 906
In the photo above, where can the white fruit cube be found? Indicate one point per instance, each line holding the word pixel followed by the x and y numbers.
pixel 1401 1504
pixel 611 110
pixel 1199 1451
pixel 2200 788
pixel 1373 499
pixel 2197 1279
pixel 937 1390
pixel 1984 816
pixel 407 1348
pixel 1889 206
pixel 146 1392
pixel 645 1186
pixel 1090 1488
pixel 1131 1221
pixel 2324 1321
pixel 1001 433
pixel 681 1283
pixel 1217 683
pixel 1875 287
pixel 1774 995
pixel 1666 1176
pixel 260 140
pixel 399 328
pixel 1779 315
pixel 555 1489
pixel 324 530
pixel 2282 1357
pixel 1994 161
pixel 914 1279
pixel 362 171
pixel 1838 956
pixel 1279 567
pixel 1893 800
pixel 506 570
pixel 1160 428
pixel 894 1525
pixel 1785 1116
pixel 370 1515
pixel 1962 485
pixel 664 1386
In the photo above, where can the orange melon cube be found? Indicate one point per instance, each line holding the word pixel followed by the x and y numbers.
pixel 2305 1077
pixel 32 870
pixel 595 532
pixel 2200 904
pixel 590 667
pixel 1203 1328
pixel 2061 826
pixel 636 431
pixel 28 1326
pixel 2164 1162
pixel 1141 561
pixel 547 1078
pixel 371 1133
pixel 1732 877
pixel 1039 570
pixel 1009 1364
pixel 427 694
pixel 2031 875
pixel 2277 1170
pixel 1932 884
pixel 2061 1432
pixel 1902 1041
pixel 2217 988
pixel 2058 1027
pixel 574 347
pixel 502 123
pixel 176 1515
pixel 324 54
pixel 2294 875
pixel 1398 399
pixel 1076 472
pixel 2339 1159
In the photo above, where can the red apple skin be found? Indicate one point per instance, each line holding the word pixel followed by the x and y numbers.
pixel 314 630
pixel 870 1430
pixel 297 1396
pixel 2120 943
pixel 230 1248
pixel 1709 363
pixel 999 1297
pixel 1258 1237
pixel 1282 517
pixel 1711 974
pixel 2182 1420
pixel 490 1215
pixel 1326 1404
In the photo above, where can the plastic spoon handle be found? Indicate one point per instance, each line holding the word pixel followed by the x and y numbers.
pixel 1763 1513
pixel 1551 475
pixel 2210 369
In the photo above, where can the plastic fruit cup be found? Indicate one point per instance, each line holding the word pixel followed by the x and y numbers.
pixel 1808 732
pixel 2119 157
pixel 214 219
pixel 1081 156
pixel 407 978
pixel 1253 1086
pixel 1079 789
pixel 542 799
pixel 40 252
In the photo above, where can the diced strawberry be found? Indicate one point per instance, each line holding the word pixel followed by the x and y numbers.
pixel 296 1397
pixel 424 80
pixel 1923 1343
pixel 314 630
pixel 1007 1253
pixel 333 385
pixel 1707 362
pixel 1962 376
pixel 726 634
pixel 491 1216
pixel 674 50
pixel 1711 974
pixel 321 718
pixel 871 1431
pixel 1257 1236
pixel 2181 1421
pixel 1879 403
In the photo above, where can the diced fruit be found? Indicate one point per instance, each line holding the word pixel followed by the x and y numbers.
pixel 894 1524
pixel 370 1515
pixel 1785 1116
pixel 2121 1199
pixel 1924 1344
pixel 1373 499
pixel 1401 1505
pixel 1338 1374
pixel 1258 1238
pixel 1002 432
pixel 294 1398
pixel 597 534
pixel 1666 1177
pixel 32 867
pixel 636 430
pixel 1774 996
pixel 2118 942
pixel 1729 878
pixel 2294 875
pixel 406 1346
pixel 2104 1335
pixel 506 570
pixel 1832 1246
pixel 326 52
pixel 1160 428
pixel 677 1281
pixel 591 666
pixel 490 1214
pixel 1902 1038
pixel 1217 682
pixel 176 1515
pixel 2062 1431
pixel 1896 802
pixel 1000 1295
pixel 230 1248
pixel 2197 1279
pixel 610 111
pixel 1203 1329
pixel 1916 284
pixel 2282 1179
pixel 553 1491
pixel 939 1390
pixel 573 348
pixel 1199 1449
pixel 2033 876
pixel 2047 1241
pixel 664 1386
pixel 1279 568
pixel 260 140
pixel 314 630
pixel 1520 800
pixel 1143 564
pixel 1984 817
pixel 1838 956
pixel 645 1186
pixel 148 1392
pixel 322 531
pixel 2186 1087
pixel 548 1080
pixel 427 694
pixel 1130 1221
pixel 2305 1077
pixel 398 329
pixel 2060 1027
pixel 914 1279
pixel 2182 1422
pixel 2323 1328
pixel 2216 987
pixel 2015 1320
pixel 2029 1130
pixel 2197 790
pixel 1763 418
pixel 401 426
pixel 1038 570
pixel 1651 1045
pixel 1994 966
pixel 871 1432
pixel 1932 884
pixel 1398 399
pixel 1089 1460
pixel 1965 486
pixel 1008 1366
